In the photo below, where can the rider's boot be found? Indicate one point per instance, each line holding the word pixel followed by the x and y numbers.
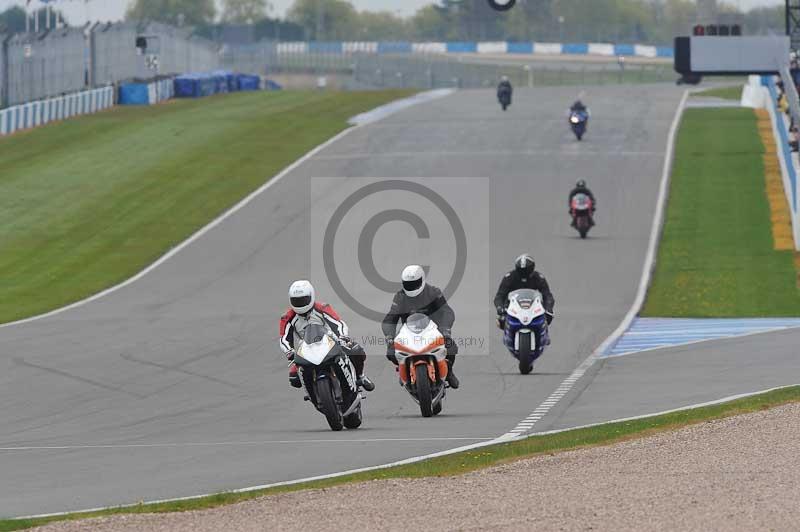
pixel 294 377
pixel 452 380
pixel 365 383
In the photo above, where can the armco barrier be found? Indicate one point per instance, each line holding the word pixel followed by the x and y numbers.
pixel 39 113
pixel 789 161
pixel 469 47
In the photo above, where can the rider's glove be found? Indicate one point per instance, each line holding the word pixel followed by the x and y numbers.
pixel 290 356
pixel 549 317
pixel 347 341
pixel 501 311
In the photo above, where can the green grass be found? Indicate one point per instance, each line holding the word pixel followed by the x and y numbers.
pixel 716 256
pixel 726 93
pixel 87 203
pixel 465 462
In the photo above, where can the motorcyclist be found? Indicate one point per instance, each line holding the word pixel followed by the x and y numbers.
pixel 304 308
pixel 524 275
pixel 581 188
pixel 504 86
pixel 579 107
pixel 418 296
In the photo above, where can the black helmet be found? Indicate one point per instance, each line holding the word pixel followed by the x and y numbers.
pixel 580 184
pixel 525 265
pixel 577 103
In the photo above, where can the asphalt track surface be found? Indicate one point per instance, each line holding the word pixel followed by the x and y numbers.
pixel 173 385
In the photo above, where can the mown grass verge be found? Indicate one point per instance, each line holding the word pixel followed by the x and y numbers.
pixel 89 202
pixel 716 257
pixel 726 93
pixel 465 462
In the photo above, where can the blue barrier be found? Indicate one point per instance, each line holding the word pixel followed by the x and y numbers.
pixel 663 51
pixel 134 94
pixel 326 47
pixel 246 82
pixel 394 47
pixel 520 47
pixel 575 49
pixel 624 49
pixel 462 47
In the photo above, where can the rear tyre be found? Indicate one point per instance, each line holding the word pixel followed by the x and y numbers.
pixel 424 395
pixel 583 232
pixel 525 364
pixel 327 404
pixel 437 409
pixel 353 421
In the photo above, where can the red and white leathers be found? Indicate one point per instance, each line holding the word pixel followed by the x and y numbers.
pixel 293 324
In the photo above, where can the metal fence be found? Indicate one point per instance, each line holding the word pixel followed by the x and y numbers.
pixel 360 69
pixel 51 63
pixel 40 65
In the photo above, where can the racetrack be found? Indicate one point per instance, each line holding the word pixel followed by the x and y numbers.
pixel 173 385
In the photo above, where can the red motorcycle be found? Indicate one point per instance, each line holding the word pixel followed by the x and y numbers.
pixel 581 209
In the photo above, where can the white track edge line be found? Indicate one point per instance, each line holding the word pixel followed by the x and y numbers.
pixel 113 446
pixel 422 458
pixel 195 236
pixel 724 400
pixel 575 376
pixel 226 214
pixel 647 271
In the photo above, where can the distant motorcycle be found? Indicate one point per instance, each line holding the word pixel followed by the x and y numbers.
pixel 581 212
pixel 504 97
pixel 578 120
pixel 333 389
pixel 422 364
pixel 525 330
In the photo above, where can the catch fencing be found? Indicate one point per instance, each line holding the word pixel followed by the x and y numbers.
pixel 37 66
pixel 66 60
pixel 429 66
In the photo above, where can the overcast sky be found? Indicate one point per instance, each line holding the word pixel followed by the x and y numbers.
pixel 109 10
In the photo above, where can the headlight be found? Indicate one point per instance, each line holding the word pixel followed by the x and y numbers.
pixel 574 119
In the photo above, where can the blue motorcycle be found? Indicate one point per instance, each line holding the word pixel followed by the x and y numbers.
pixel 578 120
pixel 525 331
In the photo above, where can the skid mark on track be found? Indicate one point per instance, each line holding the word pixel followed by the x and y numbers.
pixel 54 371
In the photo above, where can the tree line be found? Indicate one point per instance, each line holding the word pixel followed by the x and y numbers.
pixel 645 21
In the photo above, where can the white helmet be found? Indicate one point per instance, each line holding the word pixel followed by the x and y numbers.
pixel 413 280
pixel 301 296
pixel 504 78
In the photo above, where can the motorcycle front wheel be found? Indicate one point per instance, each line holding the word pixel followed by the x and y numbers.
pixel 424 393
pixel 327 403
pixel 525 364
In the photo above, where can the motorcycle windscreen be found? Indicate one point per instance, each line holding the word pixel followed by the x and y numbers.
pixel 581 202
pixel 317 352
pixel 525 305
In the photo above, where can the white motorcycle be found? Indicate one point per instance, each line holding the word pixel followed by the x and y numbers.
pixel 525 332
pixel 422 363
pixel 329 377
